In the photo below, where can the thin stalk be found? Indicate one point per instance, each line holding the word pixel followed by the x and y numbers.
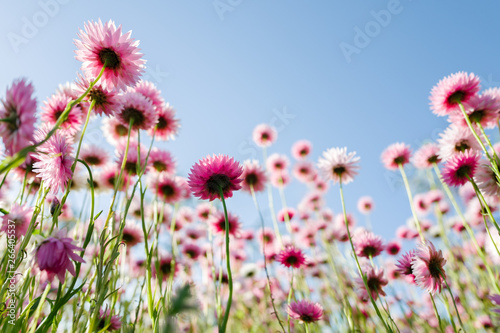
pixel 410 198
pixel 453 299
pixel 228 262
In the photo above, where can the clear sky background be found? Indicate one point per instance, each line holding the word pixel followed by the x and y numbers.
pixel 229 65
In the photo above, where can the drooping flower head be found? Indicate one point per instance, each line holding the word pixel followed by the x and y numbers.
pixel 291 256
pixel 338 165
pixel 305 311
pixel 395 155
pixel 135 107
pixel 461 166
pixel 105 44
pixel 18 111
pixel 253 176
pixel 167 126
pixel 264 135
pixel 426 156
pixel 301 149
pixel 428 267
pixel 54 160
pixel 54 256
pixel 375 280
pixel 17 220
pixel 214 173
pixel 458 87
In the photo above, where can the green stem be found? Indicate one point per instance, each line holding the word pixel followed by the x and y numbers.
pixel 482 200
pixel 228 262
pixel 453 299
pixel 290 293
pixel 436 313
pixel 410 198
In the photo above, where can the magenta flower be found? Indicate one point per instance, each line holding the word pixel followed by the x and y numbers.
pixel 253 176
pixel 54 160
pixel 132 235
pixel 113 323
pixel 161 161
pixel 393 247
pixel 367 244
pixel 105 100
pixel 55 106
pixel 133 106
pixel 18 111
pixel 428 267
pixel 104 43
pixel 191 251
pixel 264 135
pixel 338 165
pixel 54 256
pixel 395 155
pixel 375 281
pixel 17 221
pixel 168 188
pixel 291 256
pixel 305 311
pixel 451 90
pixel 214 173
pixel 301 149
pixel 461 166
pixel 404 263
pixel 286 211
pixel 167 126
pixel 165 267
pixel 426 156
pixel 219 224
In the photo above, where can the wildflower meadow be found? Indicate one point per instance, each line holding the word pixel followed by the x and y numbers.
pixel 124 240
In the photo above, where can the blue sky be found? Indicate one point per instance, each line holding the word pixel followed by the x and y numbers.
pixel 229 65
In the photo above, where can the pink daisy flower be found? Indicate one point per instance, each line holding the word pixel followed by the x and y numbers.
pixel 165 265
pixel 375 281
pixel 54 256
pixel 116 132
pixel 277 163
pixel 132 235
pixel 365 205
pixel 18 111
pixel 404 263
pixel 395 155
pixel 264 135
pixel 304 171
pixel 486 179
pixel 426 156
pixel 286 211
pixel 54 160
pixel 105 100
pixel 167 126
pixel 161 161
pixel 305 311
pixel 21 218
pixel 204 211
pixel 428 267
pixel 393 247
pixel 186 214
pixel 132 157
pixel 191 251
pixel 109 175
pixel 280 179
pixel 291 256
pixel 421 204
pixel 451 90
pixel 150 91
pixel 459 167
pixel 94 155
pixel 135 107
pixel 108 321
pixel 338 165
pixel 301 149
pixel 167 187
pixel 218 223
pixel 214 173
pixel 253 176
pixel 367 244
pixel 55 106
pixel 194 233
pixel 481 109
pixel 455 140
pixel 105 44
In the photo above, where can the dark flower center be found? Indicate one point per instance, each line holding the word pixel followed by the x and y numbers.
pixel 12 120
pixel 456 97
pixel 373 284
pixel 369 251
pixel 218 181
pixel 303 152
pixel 167 190
pixel 339 170
pixel 400 160
pixel 111 181
pixel 462 146
pixel 131 167
pixel 166 268
pixel 121 130
pixel 306 318
pixel 251 179
pixel 433 159
pixel 477 115
pixel 98 96
pixel 191 253
pixel 133 114
pixel 159 166
pixel 393 250
pixel 292 260
pixel 463 171
pixel 93 160
pixel 435 267
pixel 265 137
pixel 128 238
pixel 57 114
pixel 162 123
pixel 266 238
pixel 109 57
